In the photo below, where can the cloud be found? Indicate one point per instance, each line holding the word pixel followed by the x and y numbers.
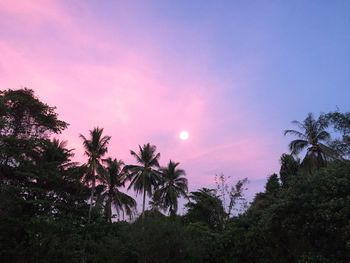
pixel 139 93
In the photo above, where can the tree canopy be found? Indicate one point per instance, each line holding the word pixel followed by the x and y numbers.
pixel 53 209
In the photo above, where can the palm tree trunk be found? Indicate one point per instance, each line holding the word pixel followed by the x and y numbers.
pixel 83 257
pixel 91 200
pixel 143 205
pixel 143 218
pixel 172 213
pixel 109 208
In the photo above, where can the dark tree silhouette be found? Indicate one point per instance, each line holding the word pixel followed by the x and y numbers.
pixel 289 168
pixel 95 148
pixel 144 176
pixel 113 176
pixel 312 137
pixel 173 185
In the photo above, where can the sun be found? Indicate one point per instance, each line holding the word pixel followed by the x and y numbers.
pixel 184 135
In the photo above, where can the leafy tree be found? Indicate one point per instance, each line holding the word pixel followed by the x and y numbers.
pixel 341 124
pixel 307 222
pixel 159 239
pixel 22 115
pixel 273 185
pixel 114 177
pixel 205 206
pixel 311 219
pixel 312 136
pixel 203 244
pixel 24 122
pixel 289 168
pixel 56 153
pixel 155 204
pixel 40 216
pixel 173 185
pixel 144 176
pixel 234 193
pixel 95 148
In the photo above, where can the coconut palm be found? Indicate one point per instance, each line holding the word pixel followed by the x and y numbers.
pixel 173 185
pixel 56 153
pixel 114 177
pixel 144 176
pixel 155 204
pixel 312 137
pixel 95 148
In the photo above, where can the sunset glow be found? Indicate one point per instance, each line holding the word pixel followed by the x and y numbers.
pixel 138 69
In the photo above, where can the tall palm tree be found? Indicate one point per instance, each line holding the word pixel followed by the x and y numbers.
pixel 312 136
pixel 173 185
pixel 144 176
pixel 95 148
pixel 114 177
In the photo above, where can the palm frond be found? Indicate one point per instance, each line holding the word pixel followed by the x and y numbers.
pixel 296 133
pixel 330 154
pixel 296 146
pixel 323 136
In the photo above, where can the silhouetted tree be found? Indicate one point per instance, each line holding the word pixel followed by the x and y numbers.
pixel 95 148
pixel 25 122
pixel 234 193
pixel 341 124
pixel 273 185
pixel 289 168
pixel 205 206
pixel 114 177
pixel 144 177
pixel 173 185
pixel 312 137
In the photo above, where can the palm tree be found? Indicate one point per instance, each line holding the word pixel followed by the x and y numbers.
pixel 155 204
pixel 95 148
pixel 114 177
pixel 56 153
pixel 173 185
pixel 144 176
pixel 312 136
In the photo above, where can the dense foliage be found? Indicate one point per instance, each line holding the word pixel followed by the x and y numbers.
pixel 54 210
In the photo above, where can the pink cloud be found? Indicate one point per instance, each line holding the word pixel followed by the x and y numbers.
pixel 96 79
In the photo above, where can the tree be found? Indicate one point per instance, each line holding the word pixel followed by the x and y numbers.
pixel 341 124
pixel 23 115
pixel 25 122
pixel 155 204
pixel 114 177
pixel 311 219
pixel 44 212
pixel 273 185
pixel 95 148
pixel 289 168
pixel 234 193
pixel 56 153
pixel 173 185
pixel 205 206
pixel 144 176
pixel 312 136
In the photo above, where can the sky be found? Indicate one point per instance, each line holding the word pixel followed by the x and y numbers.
pixel 234 74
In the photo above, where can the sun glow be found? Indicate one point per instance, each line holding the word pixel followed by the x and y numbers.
pixel 184 135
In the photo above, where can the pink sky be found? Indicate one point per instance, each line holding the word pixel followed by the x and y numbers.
pixel 114 74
